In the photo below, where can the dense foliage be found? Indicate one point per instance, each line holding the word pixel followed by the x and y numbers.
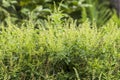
pixel 38 41
pixel 59 50
pixel 96 10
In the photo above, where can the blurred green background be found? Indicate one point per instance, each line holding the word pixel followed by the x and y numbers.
pixel 99 11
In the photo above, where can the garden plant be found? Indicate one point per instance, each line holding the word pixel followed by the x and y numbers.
pixel 59 49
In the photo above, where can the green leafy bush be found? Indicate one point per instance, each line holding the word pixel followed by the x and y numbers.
pixel 59 52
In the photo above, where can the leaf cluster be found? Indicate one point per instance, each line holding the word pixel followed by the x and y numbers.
pixel 59 52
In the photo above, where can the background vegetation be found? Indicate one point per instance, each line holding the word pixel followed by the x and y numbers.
pixel 96 10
